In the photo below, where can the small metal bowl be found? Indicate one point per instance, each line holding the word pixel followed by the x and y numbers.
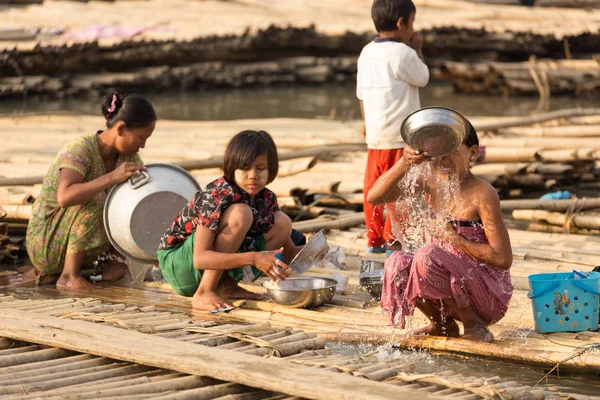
pixel 301 291
pixel 436 130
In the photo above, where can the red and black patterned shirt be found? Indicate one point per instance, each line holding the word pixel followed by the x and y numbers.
pixel 208 205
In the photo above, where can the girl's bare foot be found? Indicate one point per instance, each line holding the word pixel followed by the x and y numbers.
pixel 448 329
pixel 479 334
pixel 67 282
pixel 230 289
pixel 209 301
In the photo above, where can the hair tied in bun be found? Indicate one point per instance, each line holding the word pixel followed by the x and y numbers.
pixel 115 105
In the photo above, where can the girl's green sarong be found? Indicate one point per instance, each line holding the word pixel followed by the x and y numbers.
pixel 177 265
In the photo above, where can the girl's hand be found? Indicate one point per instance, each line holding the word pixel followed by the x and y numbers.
pixel 449 234
pixel 273 267
pixel 411 156
pixel 125 171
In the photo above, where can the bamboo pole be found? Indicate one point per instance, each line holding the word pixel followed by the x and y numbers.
pixel 33 356
pixel 341 222
pixel 15 212
pixel 534 119
pixel 183 383
pixel 16 199
pixel 199 360
pixel 57 363
pixel 551 205
pixel 554 131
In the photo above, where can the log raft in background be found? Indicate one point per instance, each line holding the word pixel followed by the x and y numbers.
pixel 561 76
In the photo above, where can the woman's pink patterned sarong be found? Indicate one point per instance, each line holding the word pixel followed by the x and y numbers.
pixel 440 271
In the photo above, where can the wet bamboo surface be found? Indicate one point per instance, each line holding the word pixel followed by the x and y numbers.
pixel 355 317
pixel 29 370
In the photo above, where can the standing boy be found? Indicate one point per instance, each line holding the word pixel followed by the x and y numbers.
pixel 390 71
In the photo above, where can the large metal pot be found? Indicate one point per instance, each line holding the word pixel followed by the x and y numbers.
pixel 435 130
pixel 138 211
pixel 301 291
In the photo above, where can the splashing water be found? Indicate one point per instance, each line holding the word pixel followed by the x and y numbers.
pixel 422 214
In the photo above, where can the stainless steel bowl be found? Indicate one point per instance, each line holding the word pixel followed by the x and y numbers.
pixel 301 291
pixel 436 130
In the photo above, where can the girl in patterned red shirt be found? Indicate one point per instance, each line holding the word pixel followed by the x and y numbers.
pixel 231 230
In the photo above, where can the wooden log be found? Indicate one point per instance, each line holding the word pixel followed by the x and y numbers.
pixel 294 167
pixel 217 162
pixel 66 367
pixel 288 349
pixel 16 199
pixel 537 118
pixel 567 155
pixel 500 168
pixel 551 205
pixel 32 356
pixel 510 154
pixel 109 383
pixel 554 131
pixel 183 383
pixel 207 393
pixel 268 374
pixel 549 169
pixel 341 222
pixel 57 363
pixel 530 143
pixel 17 213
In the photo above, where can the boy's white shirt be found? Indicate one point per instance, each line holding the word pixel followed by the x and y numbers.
pixel 388 80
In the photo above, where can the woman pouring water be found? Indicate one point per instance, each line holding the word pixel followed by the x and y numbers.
pixel 456 257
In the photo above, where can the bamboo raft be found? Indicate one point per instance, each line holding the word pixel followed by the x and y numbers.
pixel 31 370
pixel 172 51
pixel 319 187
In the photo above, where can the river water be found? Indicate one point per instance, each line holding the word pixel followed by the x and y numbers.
pixel 339 102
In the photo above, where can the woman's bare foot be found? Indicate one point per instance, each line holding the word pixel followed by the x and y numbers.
pixel 479 333
pixel 114 271
pixel 29 272
pixel 230 289
pixel 68 282
pixel 448 329
pixel 209 301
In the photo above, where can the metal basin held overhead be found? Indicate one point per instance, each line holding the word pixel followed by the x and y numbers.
pixel 138 211
pixel 436 130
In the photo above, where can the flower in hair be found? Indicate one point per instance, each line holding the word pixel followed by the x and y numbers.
pixel 115 104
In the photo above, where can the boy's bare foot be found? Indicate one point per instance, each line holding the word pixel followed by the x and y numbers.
pixel 448 329
pixel 230 289
pixel 73 283
pixel 209 301
pixel 478 334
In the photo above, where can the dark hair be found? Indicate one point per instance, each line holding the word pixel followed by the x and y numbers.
pixel 471 139
pixel 386 13
pixel 244 148
pixel 134 110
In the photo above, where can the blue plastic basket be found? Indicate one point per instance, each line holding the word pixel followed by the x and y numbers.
pixel 565 302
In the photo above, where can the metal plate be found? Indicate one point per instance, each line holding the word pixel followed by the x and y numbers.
pixel 314 251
